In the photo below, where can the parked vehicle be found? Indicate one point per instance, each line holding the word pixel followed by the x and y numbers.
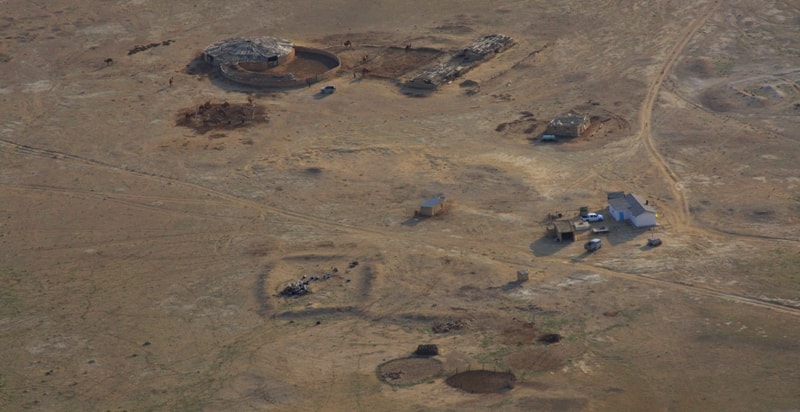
pixel 653 242
pixel 593 245
pixel 329 89
pixel 600 229
pixel 592 217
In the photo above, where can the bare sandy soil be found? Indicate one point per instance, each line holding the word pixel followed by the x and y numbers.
pixel 141 261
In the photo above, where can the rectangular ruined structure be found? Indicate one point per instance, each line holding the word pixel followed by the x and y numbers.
pixel 572 124
pixel 482 49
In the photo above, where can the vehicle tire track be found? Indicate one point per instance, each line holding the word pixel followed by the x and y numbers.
pixel 17 148
pixel 122 199
pixel 403 238
pixel 667 284
pixel 646 112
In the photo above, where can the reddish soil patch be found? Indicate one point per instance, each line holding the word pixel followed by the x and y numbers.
pixel 409 371
pixel 482 381
pixel 543 358
pixel 307 65
pixel 519 334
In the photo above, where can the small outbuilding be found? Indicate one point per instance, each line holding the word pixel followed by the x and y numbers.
pixel 631 207
pixel 572 124
pixel 433 206
pixel 522 275
pixel 565 230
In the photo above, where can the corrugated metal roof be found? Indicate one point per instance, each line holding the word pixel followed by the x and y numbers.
pixel 571 119
pixel 632 202
pixel 432 201
pixel 488 44
pixel 248 49
pixel 637 205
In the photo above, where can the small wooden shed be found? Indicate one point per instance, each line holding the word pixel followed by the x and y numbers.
pixel 433 206
pixel 565 230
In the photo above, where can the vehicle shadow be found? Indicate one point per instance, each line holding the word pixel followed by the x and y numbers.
pixel 413 221
pixel 581 257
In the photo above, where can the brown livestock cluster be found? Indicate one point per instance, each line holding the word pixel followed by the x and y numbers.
pixel 141 48
pixel 208 116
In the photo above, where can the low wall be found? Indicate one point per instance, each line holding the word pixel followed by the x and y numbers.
pixel 239 73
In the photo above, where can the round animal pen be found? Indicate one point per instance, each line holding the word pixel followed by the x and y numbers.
pixel 270 62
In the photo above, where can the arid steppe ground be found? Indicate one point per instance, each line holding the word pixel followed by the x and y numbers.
pixel 141 261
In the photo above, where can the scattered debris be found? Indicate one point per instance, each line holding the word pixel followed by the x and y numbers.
pixel 294 289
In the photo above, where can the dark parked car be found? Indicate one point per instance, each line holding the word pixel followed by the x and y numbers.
pixel 593 245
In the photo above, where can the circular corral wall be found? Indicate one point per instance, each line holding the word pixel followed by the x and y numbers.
pixel 328 64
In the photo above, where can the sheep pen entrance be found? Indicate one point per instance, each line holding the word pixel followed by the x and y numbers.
pixel 482 381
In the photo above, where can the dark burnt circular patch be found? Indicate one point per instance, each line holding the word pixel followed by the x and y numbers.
pixel 550 338
pixel 482 381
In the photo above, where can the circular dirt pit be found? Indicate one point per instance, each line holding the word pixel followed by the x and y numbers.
pixel 409 371
pixel 550 338
pixel 482 381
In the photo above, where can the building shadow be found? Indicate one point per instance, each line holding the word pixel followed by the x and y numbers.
pixel 547 246
pixel 414 220
pixel 319 95
pixel 412 92
pixel 514 284
pixel 621 232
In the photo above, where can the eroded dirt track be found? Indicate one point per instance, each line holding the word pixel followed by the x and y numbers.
pixel 682 213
